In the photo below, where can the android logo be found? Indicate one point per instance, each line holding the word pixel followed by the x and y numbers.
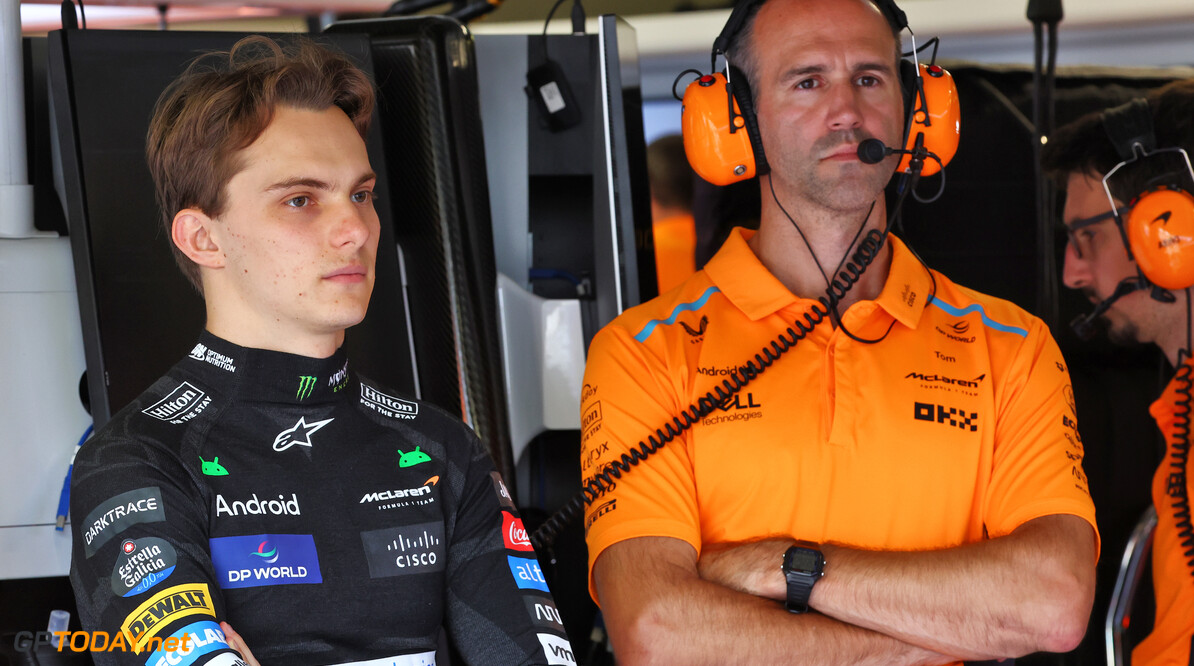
pixel 213 468
pixel 413 458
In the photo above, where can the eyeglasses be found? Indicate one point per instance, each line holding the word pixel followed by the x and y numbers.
pixel 1072 228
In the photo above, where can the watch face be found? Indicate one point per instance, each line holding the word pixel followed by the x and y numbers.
pixel 802 559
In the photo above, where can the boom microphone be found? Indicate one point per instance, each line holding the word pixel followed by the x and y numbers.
pixel 1084 325
pixel 872 151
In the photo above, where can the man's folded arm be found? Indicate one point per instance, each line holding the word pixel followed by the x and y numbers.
pixel 1029 591
pixel 659 611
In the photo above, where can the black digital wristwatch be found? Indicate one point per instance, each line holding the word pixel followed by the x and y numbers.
pixel 802 568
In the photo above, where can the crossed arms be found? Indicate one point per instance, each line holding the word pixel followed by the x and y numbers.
pixel 1029 591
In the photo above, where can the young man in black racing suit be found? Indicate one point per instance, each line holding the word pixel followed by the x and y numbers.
pixel 261 482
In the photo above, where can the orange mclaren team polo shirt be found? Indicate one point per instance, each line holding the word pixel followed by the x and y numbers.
pixel 959 424
pixel 1171 640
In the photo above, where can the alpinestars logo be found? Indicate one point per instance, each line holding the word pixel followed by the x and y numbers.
pixel 300 434
pixel 927 411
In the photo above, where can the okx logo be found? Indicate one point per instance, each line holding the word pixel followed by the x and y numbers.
pixel 959 418
pixel 306 384
pixel 257 560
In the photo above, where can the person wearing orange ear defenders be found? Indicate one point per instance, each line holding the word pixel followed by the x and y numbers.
pixel 1130 252
pixel 901 486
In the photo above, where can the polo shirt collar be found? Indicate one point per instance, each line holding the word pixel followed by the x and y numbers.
pixel 747 283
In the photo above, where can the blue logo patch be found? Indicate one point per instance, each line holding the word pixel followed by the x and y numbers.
pixel 527 574
pixel 194 641
pixel 265 559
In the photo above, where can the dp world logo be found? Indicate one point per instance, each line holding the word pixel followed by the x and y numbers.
pixel 268 556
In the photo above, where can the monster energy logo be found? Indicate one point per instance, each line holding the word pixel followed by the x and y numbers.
pixel 306 384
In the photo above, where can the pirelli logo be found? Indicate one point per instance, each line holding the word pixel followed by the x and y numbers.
pixel 959 418
pixel 163 608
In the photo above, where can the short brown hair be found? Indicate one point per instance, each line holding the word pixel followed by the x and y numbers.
pixel 223 102
pixel 1083 146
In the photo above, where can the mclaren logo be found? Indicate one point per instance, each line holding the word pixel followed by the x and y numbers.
pixel 941 379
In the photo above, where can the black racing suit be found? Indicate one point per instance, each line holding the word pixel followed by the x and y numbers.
pixel 326 519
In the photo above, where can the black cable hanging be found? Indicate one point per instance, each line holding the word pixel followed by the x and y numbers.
pixel 1045 15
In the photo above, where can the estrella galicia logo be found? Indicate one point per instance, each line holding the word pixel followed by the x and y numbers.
pixel 959 418
pixel 306 384
pixel 142 564
pixel 258 560
pixel 699 330
pixel 300 434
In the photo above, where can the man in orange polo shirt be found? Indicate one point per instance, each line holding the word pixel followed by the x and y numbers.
pixel 1097 262
pixel 904 485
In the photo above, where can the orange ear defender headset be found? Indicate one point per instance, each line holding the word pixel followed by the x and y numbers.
pixel 1159 226
pixel 721 134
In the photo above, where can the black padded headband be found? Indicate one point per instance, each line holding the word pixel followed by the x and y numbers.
pixel 1130 124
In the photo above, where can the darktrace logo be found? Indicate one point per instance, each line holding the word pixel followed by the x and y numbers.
pixel 957 331
pixel 699 330
pixel 305 386
pixel 299 434
pixel 959 418
pixel 143 505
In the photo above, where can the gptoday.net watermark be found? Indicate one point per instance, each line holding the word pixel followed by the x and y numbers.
pixel 95 641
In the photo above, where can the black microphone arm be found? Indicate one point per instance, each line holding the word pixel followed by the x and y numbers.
pixel 1084 325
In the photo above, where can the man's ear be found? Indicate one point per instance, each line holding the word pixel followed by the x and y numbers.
pixel 191 232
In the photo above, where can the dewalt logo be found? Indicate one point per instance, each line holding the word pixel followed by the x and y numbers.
pixel 163 608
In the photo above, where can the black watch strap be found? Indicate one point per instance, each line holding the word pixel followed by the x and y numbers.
pixel 802 568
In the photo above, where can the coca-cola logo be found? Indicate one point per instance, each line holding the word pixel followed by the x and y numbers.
pixel 514 534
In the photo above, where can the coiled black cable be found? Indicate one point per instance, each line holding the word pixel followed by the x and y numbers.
pixel 606 479
pixel 1179 458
